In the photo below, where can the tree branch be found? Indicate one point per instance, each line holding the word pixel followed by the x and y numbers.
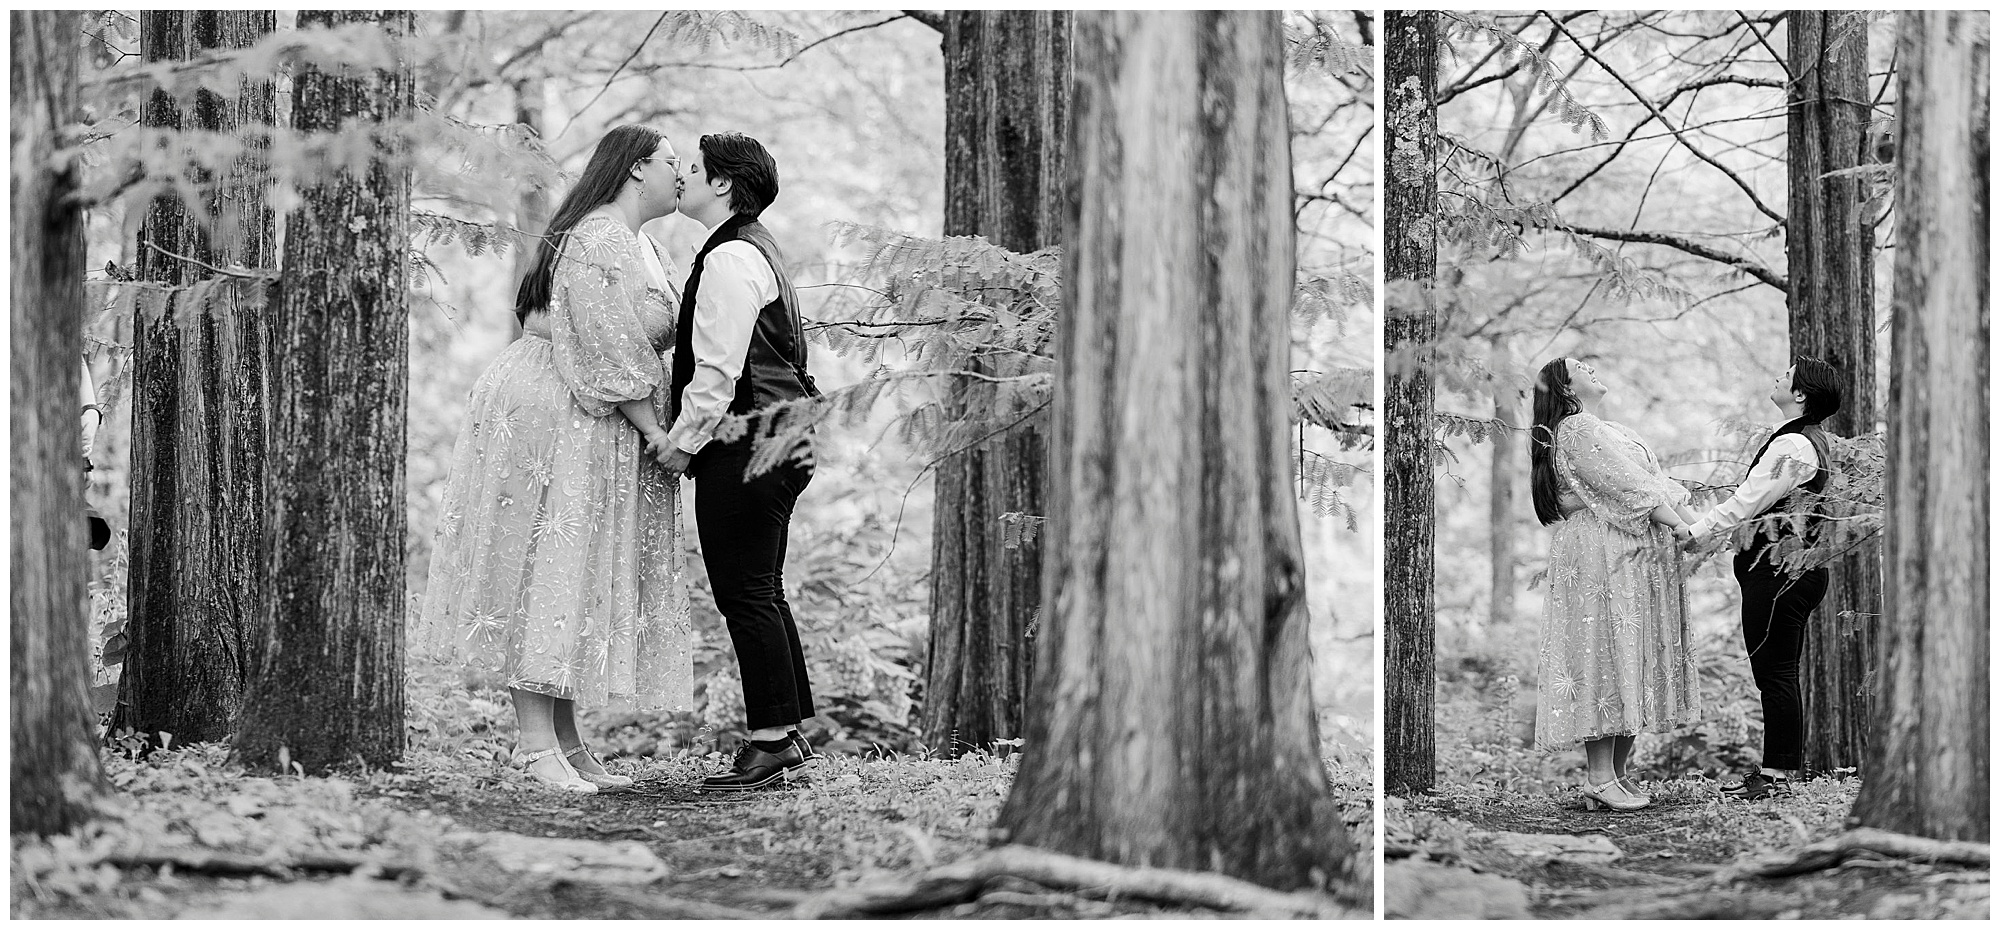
pixel 1743 185
pixel 931 18
pixel 614 74
pixel 1691 247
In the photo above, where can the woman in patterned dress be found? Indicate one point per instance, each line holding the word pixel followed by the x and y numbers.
pixel 558 561
pixel 1616 658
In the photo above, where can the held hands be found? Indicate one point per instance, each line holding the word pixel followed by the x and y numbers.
pixel 677 462
pixel 667 454
pixel 662 450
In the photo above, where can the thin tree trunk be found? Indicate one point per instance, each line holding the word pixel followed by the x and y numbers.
pixel 1007 79
pixel 199 406
pixel 1409 329
pixel 1171 719
pixel 1830 250
pixel 1927 769
pixel 53 766
pixel 531 216
pixel 329 685
pixel 1501 519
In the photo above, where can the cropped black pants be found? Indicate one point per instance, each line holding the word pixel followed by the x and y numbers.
pixel 744 526
pixel 1775 610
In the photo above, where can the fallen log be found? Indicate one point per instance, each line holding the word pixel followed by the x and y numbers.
pixel 1832 851
pixel 966 879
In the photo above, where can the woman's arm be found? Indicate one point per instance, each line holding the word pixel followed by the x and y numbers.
pixel 640 412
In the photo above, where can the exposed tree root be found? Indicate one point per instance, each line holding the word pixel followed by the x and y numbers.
pixel 1831 852
pixel 1706 904
pixel 1702 900
pixel 642 904
pixel 966 879
pixel 211 862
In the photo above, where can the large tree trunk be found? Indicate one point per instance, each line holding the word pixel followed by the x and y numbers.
pixel 1171 720
pixel 1007 79
pixel 1830 249
pixel 1927 767
pixel 199 388
pixel 54 766
pixel 1409 329
pixel 329 683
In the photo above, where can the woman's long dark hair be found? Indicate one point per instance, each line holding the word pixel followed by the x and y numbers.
pixel 1554 402
pixel 609 168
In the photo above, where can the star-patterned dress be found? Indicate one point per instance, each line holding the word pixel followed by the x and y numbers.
pixel 558 561
pixel 1616 658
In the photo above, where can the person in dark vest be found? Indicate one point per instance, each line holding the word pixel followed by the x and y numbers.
pixel 740 350
pixel 1792 464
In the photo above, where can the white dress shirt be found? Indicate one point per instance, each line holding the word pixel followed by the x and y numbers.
pixel 736 283
pixel 1788 463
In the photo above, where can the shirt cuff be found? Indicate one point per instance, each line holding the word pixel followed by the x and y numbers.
pixel 687 438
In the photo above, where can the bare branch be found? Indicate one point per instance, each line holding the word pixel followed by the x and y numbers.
pixel 1741 184
pixel 614 74
pixel 931 18
pixel 1691 247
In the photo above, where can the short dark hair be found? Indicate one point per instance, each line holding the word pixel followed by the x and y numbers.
pixel 751 171
pixel 1820 383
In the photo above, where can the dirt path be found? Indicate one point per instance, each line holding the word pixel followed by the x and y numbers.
pixel 1569 862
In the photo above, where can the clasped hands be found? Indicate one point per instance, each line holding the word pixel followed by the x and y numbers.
pixel 670 457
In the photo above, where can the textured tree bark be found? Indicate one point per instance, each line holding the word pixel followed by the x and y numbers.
pixel 1409 328
pixel 1830 251
pixel 1007 88
pixel 1171 721
pixel 199 405
pixel 329 682
pixel 1926 773
pixel 53 762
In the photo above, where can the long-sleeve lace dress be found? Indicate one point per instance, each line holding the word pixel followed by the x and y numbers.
pixel 1616 658
pixel 558 559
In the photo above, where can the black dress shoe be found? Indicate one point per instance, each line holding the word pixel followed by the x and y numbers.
pixel 754 769
pixel 1757 786
pixel 806 751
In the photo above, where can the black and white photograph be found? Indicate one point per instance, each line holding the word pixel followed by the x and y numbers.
pixel 728 464
pixel 1686 477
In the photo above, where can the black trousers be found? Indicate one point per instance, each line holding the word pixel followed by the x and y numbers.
pixel 1775 610
pixel 743 527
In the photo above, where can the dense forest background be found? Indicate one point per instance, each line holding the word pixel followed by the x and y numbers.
pixel 1688 343
pixel 853 106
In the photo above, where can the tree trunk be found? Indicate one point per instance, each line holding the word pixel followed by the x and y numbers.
pixel 199 389
pixel 1501 519
pixel 533 211
pixel 1830 249
pixel 54 763
pixel 1409 328
pixel 1171 719
pixel 1007 85
pixel 1926 772
pixel 329 683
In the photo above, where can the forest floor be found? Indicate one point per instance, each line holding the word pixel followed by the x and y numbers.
pixel 1478 850
pixel 451 833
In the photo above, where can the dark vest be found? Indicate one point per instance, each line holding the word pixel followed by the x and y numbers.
pixel 1812 485
pixel 774 369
